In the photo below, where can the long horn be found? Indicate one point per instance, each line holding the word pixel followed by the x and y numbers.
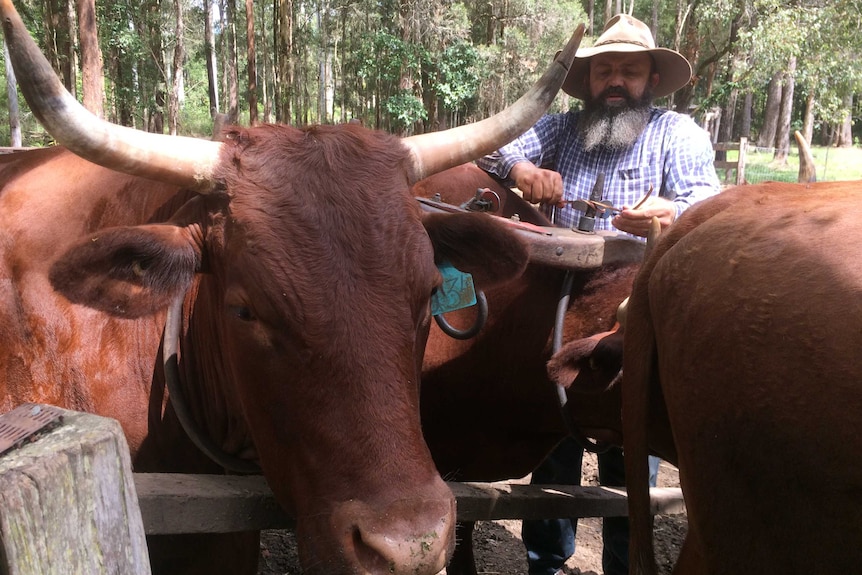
pixel 187 162
pixel 807 169
pixel 437 151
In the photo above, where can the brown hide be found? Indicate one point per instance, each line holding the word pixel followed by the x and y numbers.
pixel 302 337
pixel 489 410
pixel 53 351
pixel 745 320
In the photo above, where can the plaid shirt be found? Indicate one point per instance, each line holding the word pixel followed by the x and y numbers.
pixel 673 154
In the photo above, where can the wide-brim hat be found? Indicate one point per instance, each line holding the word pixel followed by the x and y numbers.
pixel 625 34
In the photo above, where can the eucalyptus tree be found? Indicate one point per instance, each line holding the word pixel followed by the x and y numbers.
pixel 808 44
pixel 92 84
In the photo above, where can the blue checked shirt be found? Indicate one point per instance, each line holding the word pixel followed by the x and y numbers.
pixel 673 154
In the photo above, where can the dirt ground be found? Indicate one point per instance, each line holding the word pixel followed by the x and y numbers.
pixel 498 546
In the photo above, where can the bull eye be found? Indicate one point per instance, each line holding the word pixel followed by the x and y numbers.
pixel 139 267
pixel 242 312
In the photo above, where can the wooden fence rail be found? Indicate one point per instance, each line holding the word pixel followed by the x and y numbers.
pixel 177 503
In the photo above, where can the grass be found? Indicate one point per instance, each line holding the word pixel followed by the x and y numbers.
pixel 831 164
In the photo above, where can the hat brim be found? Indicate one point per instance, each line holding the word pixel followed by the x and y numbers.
pixel 674 71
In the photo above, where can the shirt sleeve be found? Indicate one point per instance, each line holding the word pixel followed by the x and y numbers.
pixel 537 145
pixel 690 169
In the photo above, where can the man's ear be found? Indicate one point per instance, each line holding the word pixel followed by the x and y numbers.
pixel 653 80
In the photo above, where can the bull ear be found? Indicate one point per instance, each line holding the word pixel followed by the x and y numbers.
pixel 588 365
pixel 477 244
pixel 129 271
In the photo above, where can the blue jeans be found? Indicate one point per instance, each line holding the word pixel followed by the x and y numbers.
pixel 550 542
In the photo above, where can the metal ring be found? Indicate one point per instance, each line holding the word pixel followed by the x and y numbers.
pixel 470 332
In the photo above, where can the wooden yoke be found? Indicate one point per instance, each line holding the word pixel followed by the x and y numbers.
pixel 565 248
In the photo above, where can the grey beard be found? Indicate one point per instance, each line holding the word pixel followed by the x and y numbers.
pixel 602 127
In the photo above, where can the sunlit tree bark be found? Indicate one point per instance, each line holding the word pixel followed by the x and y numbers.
pixel 92 83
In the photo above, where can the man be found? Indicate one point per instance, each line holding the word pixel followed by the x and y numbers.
pixel 630 147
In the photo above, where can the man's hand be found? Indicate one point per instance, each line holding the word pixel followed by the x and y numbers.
pixel 539 186
pixel 637 221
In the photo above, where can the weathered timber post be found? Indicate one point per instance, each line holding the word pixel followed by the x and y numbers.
pixel 68 503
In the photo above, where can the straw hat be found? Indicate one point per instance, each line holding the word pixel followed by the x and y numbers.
pixel 625 34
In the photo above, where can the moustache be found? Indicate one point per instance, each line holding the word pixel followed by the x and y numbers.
pixel 616 92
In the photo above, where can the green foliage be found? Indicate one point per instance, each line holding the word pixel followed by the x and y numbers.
pixel 383 56
pixel 455 74
pixel 405 109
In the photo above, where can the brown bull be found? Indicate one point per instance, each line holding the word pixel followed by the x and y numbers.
pixel 304 267
pixel 489 410
pixel 742 341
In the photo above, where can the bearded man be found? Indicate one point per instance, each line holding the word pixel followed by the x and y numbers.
pixel 621 140
pixel 619 134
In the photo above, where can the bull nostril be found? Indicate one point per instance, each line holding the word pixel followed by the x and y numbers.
pixel 369 557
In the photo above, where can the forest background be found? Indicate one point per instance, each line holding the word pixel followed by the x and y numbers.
pixel 762 68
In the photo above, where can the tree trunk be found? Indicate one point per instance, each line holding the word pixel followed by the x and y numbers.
pixel 12 92
pixel 122 77
pixel 92 83
pixel 59 17
pixel 808 118
pixel 265 68
pixel 52 22
pixel 690 48
pixel 251 62
pixel 231 63
pixel 324 63
pixel 766 138
pixel 70 27
pixel 209 52
pixel 151 72
pixel 745 124
pixel 285 85
pixel 845 136
pixel 782 133
pixel 179 55
pixel 654 18
pixel 729 117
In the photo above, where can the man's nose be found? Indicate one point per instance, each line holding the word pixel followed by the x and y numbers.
pixel 616 79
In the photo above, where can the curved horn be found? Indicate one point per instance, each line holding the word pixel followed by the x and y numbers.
pixel 187 162
pixel 437 151
pixel 623 313
pixel 807 169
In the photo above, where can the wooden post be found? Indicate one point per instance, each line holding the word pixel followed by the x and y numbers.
pixel 721 162
pixel 68 503
pixel 740 162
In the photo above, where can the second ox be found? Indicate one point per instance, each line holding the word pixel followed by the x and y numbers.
pixel 490 411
